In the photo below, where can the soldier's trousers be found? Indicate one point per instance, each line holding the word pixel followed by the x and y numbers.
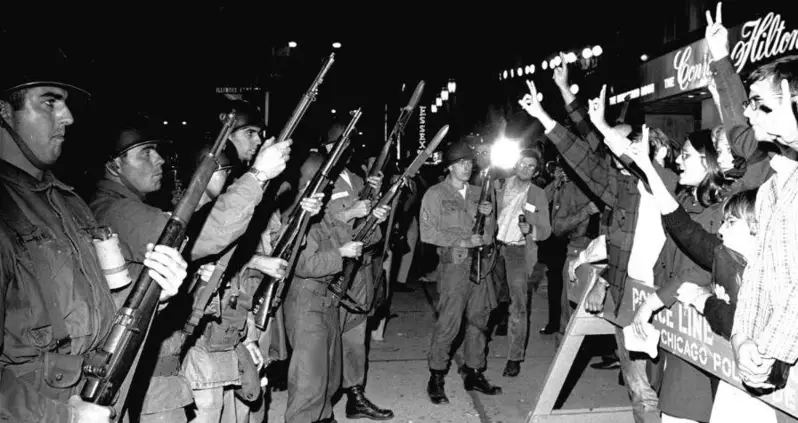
pixel 353 338
pixel 459 297
pixel 314 371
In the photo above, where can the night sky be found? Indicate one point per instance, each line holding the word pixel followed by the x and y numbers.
pixel 166 61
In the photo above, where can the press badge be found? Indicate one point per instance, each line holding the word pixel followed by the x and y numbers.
pixel 337 195
pixel 530 208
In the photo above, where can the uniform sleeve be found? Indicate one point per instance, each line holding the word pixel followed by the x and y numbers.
pixel 540 218
pixel 229 217
pixel 430 223
pixel 20 402
pixel 314 263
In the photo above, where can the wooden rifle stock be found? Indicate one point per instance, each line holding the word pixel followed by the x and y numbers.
pixel 108 366
pixel 479 229
pixel 270 292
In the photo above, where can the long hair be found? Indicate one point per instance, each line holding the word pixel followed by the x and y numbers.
pixel 710 190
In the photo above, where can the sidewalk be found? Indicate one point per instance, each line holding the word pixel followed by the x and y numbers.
pixel 398 371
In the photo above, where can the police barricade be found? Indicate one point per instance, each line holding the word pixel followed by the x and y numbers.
pixel 581 325
pixel 683 332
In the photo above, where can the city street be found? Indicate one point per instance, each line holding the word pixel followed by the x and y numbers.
pixel 398 371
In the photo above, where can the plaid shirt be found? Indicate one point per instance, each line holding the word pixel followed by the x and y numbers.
pixel 768 299
pixel 617 189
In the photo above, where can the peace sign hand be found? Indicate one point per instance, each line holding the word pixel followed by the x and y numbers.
pixel 561 73
pixel 717 35
pixel 530 101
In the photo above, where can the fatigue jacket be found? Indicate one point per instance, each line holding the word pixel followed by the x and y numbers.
pixel 50 282
pixel 446 218
pixel 138 224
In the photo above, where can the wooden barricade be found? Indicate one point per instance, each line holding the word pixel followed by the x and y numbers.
pixel 683 332
pixel 582 324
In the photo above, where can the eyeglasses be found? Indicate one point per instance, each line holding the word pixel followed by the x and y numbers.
pixel 482 153
pixel 527 166
pixel 755 103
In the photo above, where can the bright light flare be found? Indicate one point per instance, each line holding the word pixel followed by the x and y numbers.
pixel 505 153
pixel 292 44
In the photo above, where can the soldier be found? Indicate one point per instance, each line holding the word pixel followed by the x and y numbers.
pixel 134 170
pixel 448 212
pixel 344 207
pixel 56 305
pixel 228 335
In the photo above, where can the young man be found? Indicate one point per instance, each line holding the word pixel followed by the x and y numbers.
pixel 56 304
pixel 448 213
pixel 518 250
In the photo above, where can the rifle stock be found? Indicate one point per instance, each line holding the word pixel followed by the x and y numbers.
pixel 107 367
pixel 270 292
pixel 479 229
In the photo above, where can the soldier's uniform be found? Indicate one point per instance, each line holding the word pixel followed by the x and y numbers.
pixel 56 305
pixel 353 325
pixel 446 218
pixel 137 224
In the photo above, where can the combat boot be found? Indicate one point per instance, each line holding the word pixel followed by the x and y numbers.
pixel 359 407
pixel 475 381
pixel 435 387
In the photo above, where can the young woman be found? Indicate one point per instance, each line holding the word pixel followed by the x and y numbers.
pixel 727 257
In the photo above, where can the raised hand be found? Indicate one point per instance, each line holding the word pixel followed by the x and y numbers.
pixel 597 106
pixel 530 101
pixel 561 74
pixel 717 35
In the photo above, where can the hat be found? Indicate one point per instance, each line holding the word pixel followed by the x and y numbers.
pixel 456 152
pixel 136 131
pixel 30 67
pixel 247 114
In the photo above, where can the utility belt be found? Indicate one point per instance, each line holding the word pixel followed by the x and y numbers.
pixel 223 334
pixel 461 255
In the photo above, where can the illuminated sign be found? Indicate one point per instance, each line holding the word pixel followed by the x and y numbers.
pixel 762 38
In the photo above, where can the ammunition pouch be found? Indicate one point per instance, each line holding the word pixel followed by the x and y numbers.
pixel 56 376
pixel 454 255
pixel 226 333
pixel 250 382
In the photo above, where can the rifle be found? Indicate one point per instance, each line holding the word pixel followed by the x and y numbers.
pixel 304 103
pixel 343 281
pixel 270 293
pixel 378 167
pixel 204 290
pixel 108 366
pixel 479 229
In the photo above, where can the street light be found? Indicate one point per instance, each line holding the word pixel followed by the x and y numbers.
pixel 184 123
pixel 292 44
pixel 166 122
pixel 439 102
pixel 336 45
pixel 452 86
pixel 433 108
pixel 444 94
pixel 332 111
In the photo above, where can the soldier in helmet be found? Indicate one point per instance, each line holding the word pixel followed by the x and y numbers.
pixel 55 304
pixel 133 170
pixel 227 338
pixel 344 208
pixel 447 217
